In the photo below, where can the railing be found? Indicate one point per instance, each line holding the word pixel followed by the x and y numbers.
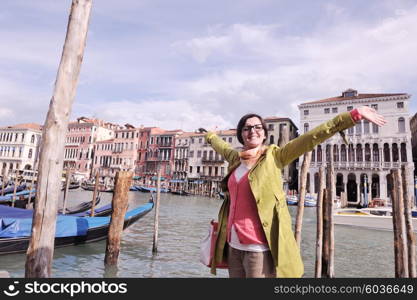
pixel 213 160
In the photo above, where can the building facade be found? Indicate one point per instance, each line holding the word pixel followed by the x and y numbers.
pixel 363 166
pixel 19 147
pixel 80 140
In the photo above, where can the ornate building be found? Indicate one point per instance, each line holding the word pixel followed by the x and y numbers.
pixel 363 166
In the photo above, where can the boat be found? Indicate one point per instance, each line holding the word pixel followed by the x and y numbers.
pixel 101 188
pixel 82 207
pixel 292 200
pixel 70 230
pixel 20 198
pixel 153 189
pixel 72 186
pixel 372 218
pixel 180 192
pixel 309 200
pixel 10 189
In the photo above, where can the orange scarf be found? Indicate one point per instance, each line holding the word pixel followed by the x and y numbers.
pixel 250 157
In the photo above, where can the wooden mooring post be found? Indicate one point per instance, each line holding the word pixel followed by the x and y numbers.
pixel 319 237
pixel 95 192
pixel 67 183
pixel 328 224
pixel 303 188
pixel 16 182
pixel 156 220
pixel 398 222
pixel 29 204
pixel 3 181
pixel 41 246
pixel 411 239
pixel 123 182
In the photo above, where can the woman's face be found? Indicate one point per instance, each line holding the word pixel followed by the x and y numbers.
pixel 253 133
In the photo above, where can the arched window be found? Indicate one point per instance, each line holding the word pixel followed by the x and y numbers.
pixel 367 152
pixel 387 153
pixel 401 124
pixel 319 154
pixel 335 153
pixel 395 156
pixel 32 139
pixel 343 153
pixel 306 127
pixel 313 155
pixel 375 152
pixel 30 153
pixel 271 139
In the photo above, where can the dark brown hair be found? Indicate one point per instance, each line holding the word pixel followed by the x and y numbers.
pixel 242 123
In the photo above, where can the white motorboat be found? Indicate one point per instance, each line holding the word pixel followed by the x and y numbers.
pixel 373 218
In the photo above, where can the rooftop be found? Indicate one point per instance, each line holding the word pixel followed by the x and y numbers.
pixel 351 94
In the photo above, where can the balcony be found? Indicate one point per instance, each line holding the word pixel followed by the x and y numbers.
pixel 212 160
pixel 165 145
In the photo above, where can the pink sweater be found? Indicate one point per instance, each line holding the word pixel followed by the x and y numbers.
pixel 243 213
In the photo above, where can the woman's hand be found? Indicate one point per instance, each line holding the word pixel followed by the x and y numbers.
pixel 371 115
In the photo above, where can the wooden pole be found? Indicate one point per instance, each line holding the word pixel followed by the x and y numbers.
pixel 28 205
pixel 411 239
pixel 303 187
pixel 41 246
pixel 16 182
pixel 319 237
pixel 67 183
pixel 119 204
pixel 328 225
pixel 398 222
pixel 93 207
pixel 156 220
pixel 3 180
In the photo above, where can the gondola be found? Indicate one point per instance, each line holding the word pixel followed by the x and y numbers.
pixel 101 188
pixel 70 230
pixel 180 192
pixel 71 186
pixel 10 189
pixel 153 189
pixel 82 207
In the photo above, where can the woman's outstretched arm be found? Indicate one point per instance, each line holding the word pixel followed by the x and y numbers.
pixel 306 142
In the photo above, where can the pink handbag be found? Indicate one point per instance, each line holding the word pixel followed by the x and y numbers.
pixel 208 245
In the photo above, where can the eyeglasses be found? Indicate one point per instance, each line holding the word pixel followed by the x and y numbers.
pixel 257 127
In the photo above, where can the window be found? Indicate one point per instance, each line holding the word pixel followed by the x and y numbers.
pixel 366 127
pixel 358 128
pixel 198 153
pixel 327 110
pixel 306 127
pixel 230 139
pixel 375 128
pixel 30 153
pixel 32 139
pixel 191 153
pixel 400 104
pixel 191 169
pixel 270 126
pixel 200 140
pixel 271 139
pixel 374 106
pixel 306 112
pixel 401 124
pixel 198 169
pixel 349 108
pixel 334 110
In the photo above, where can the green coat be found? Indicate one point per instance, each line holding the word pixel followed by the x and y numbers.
pixel 266 185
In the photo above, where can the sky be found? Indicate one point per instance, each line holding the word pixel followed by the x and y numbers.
pixel 185 64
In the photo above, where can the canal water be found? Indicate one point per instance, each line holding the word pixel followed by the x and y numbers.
pixel 183 222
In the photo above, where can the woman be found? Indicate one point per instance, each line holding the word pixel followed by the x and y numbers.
pixel 255 234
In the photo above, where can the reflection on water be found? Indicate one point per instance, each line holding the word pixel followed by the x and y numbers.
pixel 183 222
